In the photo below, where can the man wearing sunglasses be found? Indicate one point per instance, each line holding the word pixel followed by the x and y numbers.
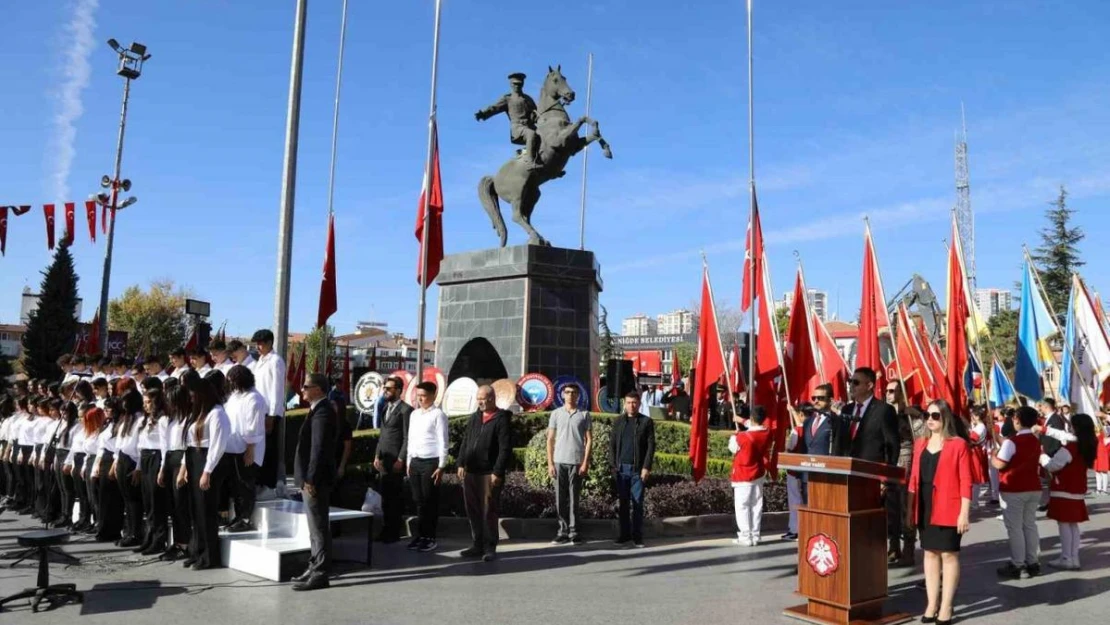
pixel 389 457
pixel 872 424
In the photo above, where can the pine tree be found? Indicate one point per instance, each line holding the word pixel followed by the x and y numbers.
pixel 1058 256
pixel 5 372
pixel 52 327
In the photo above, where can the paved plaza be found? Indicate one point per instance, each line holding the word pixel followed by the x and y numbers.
pixel 705 581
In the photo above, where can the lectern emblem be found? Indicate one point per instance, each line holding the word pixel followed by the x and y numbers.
pixel 823 555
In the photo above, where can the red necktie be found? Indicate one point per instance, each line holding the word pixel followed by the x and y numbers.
pixel 855 424
pixel 816 424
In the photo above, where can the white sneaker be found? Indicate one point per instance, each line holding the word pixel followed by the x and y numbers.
pixel 754 542
pixel 1060 563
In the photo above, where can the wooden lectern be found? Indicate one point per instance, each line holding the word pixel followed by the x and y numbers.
pixel 842 541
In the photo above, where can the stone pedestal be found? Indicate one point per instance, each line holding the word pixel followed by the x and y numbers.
pixel 509 311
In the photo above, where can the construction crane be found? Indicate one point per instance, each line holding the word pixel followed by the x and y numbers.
pixel 920 299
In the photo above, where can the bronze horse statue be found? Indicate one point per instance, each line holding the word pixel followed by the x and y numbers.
pixel 515 182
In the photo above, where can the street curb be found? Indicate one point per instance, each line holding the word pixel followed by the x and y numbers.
pixel 667 527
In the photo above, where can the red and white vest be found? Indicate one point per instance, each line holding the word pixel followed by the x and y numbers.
pixel 1022 474
pixel 1071 481
pixel 750 463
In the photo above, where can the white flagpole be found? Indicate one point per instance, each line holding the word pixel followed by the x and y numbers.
pixel 427 203
pixel 586 153
pixel 335 115
pixel 751 210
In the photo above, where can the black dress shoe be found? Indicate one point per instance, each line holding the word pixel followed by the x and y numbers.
pixel 153 550
pixel 240 525
pixel 315 582
pixel 171 554
pixel 303 577
pixel 130 542
pixel 928 619
pixel 189 562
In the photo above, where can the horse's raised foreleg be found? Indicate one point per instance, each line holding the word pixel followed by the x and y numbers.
pixel 595 135
pixel 522 214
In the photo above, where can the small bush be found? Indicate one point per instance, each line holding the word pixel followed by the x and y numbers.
pixel 599 479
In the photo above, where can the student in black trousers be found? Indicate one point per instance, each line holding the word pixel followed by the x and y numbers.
pixel 205 468
pixel 389 458
pixel 151 438
pixel 70 423
pixel 314 473
pixel 109 527
pixel 177 498
pixel 126 469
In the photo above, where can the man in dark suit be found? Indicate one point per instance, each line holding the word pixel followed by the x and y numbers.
pixel 389 459
pixel 820 428
pixel 870 428
pixel 314 474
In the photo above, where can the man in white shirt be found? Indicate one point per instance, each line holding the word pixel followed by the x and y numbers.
pixel 198 359
pixel 154 366
pixel 217 350
pixel 269 379
pixel 180 364
pixel 240 355
pixel 246 409
pixel 427 457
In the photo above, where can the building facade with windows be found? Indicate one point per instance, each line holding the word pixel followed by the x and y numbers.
pixel 639 325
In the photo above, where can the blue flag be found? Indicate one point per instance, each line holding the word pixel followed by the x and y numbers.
pixel 1035 328
pixel 973 369
pixel 1002 391
pixel 1067 363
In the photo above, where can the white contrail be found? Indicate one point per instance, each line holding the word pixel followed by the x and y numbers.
pixel 77 42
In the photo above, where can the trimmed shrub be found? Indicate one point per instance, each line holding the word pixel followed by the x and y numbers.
pixel 675 464
pixel 599 479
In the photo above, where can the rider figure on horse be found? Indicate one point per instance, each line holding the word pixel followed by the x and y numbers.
pixel 521 109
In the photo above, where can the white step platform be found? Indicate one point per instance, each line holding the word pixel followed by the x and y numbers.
pixel 279 549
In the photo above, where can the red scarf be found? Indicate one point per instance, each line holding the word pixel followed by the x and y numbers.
pixel 488 416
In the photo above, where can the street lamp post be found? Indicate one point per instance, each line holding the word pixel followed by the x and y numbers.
pixel 130 68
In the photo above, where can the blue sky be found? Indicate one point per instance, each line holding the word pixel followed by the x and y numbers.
pixel 856 107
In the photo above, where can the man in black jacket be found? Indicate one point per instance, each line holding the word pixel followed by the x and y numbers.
pixel 314 473
pixel 389 459
pixel 872 424
pixel 679 402
pixel 632 448
pixel 483 457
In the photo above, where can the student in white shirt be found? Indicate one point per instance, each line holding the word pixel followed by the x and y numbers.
pixel 246 408
pixel 110 502
pixel 217 351
pixel 65 438
pixel 151 435
pixel 269 379
pixel 198 359
pixel 155 366
pixel 177 496
pixel 126 467
pixel 74 464
pixel 178 358
pixel 239 354
pixel 426 460
pixel 206 467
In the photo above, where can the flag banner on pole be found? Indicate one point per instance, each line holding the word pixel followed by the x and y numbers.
pixel 799 359
pixel 917 380
pixel 956 361
pixel 874 319
pixel 434 243
pixel 753 258
pixel 71 219
pixel 3 229
pixel 48 212
pixel 709 370
pixel 676 369
pixel 768 390
pixel 1086 362
pixel 1001 390
pixel 834 370
pixel 1035 328
pixel 973 377
pixel 93 344
pixel 90 216
pixel 329 301
pixel 735 370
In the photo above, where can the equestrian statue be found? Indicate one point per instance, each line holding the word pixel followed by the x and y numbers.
pixel 549 138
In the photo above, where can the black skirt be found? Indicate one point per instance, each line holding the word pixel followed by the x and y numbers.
pixel 933 537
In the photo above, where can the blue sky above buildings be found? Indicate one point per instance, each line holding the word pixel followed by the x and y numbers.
pixel 857 104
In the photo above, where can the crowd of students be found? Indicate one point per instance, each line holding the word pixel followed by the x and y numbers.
pixel 148 460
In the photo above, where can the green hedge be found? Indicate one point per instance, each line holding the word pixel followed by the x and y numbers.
pixel 679 464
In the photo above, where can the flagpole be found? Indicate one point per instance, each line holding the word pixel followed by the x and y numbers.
pixel 1044 298
pixel 882 301
pixel 586 153
pixel 427 203
pixel 335 114
pixel 751 209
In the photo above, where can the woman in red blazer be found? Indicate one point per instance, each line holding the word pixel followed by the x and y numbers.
pixel 940 505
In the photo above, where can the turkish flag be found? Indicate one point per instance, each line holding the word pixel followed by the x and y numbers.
pixel 708 370
pixel 70 219
pixel 833 368
pixel 3 229
pixel 753 258
pixel 768 377
pixel 959 311
pixel 192 343
pixel 433 245
pixel 90 215
pixel 917 375
pixel 676 369
pixel 329 302
pixel 291 374
pixel 800 359
pixel 48 212
pixel 734 370
pixel 874 319
pixel 21 210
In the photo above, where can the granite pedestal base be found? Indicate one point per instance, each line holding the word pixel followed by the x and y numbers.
pixel 509 311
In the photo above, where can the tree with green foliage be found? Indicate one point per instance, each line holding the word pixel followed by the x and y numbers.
pixel 782 321
pixel 52 327
pixel 320 340
pixel 154 320
pixel 5 373
pixel 1057 258
pixel 1002 341
pixel 609 347
pixel 685 352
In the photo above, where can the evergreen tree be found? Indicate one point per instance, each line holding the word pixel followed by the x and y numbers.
pixel 5 373
pixel 52 327
pixel 1058 258
pixel 609 347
